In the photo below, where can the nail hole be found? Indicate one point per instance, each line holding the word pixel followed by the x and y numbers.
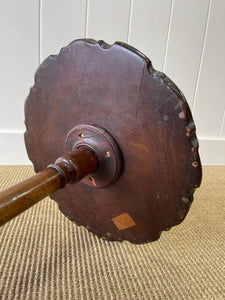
pixel 181 115
pixel 107 154
pixel 81 135
pixel 195 164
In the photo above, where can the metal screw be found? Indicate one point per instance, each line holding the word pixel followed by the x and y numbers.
pixel 107 154
pixel 93 181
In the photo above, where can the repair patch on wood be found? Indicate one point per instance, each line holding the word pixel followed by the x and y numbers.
pixel 123 221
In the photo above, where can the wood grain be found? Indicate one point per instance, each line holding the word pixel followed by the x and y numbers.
pixel 117 88
pixel 23 195
pixel 69 168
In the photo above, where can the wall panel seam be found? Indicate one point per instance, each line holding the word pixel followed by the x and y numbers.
pixel 40 31
pixel 168 35
pixel 86 19
pixel 129 22
pixel 202 56
pixel 221 126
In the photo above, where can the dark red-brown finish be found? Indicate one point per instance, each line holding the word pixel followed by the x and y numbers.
pixel 69 168
pixel 18 198
pixel 116 87
pixel 76 164
pixel 105 148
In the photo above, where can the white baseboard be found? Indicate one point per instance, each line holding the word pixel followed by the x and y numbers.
pixel 13 151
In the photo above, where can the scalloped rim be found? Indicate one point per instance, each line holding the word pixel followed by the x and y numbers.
pixel 164 79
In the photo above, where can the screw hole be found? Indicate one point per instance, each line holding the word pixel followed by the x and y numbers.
pixel 195 164
pixel 81 135
pixel 107 154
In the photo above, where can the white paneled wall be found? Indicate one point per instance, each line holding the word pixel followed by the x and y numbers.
pixel 149 26
pixel 19 57
pixel 183 38
pixel 108 20
pixel 61 21
pixel 185 44
pixel 210 94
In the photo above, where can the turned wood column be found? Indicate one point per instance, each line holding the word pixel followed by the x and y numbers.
pixel 70 168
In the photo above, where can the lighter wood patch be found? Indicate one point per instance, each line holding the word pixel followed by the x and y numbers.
pixel 123 221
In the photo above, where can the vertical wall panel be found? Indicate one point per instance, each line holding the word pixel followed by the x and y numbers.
pixel 179 36
pixel 108 20
pixel 61 22
pixel 186 39
pixel 19 56
pixel 210 99
pixel 149 28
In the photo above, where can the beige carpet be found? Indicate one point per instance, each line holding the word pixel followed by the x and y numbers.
pixel 44 256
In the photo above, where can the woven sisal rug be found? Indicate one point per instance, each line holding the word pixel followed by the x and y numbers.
pixel 44 256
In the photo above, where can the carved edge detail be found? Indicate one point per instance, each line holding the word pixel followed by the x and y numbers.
pixel 185 112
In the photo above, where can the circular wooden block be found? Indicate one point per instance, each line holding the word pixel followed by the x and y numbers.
pixel 116 88
pixel 105 148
